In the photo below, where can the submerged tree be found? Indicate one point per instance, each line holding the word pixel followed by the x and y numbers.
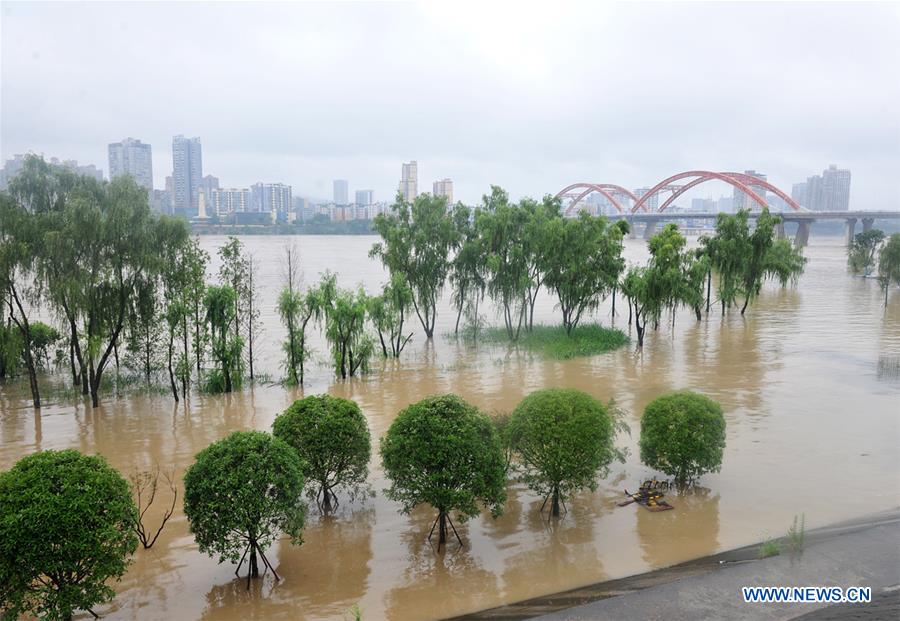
pixel 862 254
pixel 444 452
pixel 18 252
pixel 563 441
pixel 467 270
pixel 238 270
pixel 683 435
pixel 388 312
pixel 331 436
pixel 582 263
pixel 65 533
pixel 417 240
pixel 345 327
pixel 226 346
pixel 240 494
pixel 889 265
pixel 296 310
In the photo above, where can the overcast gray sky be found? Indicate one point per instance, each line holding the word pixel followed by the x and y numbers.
pixel 527 96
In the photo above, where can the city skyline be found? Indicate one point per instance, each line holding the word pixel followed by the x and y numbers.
pixel 469 127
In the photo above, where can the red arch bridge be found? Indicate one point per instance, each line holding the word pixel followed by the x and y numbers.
pixel 648 206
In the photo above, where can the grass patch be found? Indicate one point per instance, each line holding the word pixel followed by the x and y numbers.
pixel 553 342
pixel 796 539
pixel 769 548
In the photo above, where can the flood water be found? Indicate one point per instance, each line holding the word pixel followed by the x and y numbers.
pixel 808 382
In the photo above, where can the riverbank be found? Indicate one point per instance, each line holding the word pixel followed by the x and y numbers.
pixel 860 552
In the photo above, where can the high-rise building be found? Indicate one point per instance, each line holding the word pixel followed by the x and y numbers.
pixel 444 187
pixel 814 193
pixel 160 201
pixel 341 192
pixel 798 193
pixel 228 200
pixel 209 183
pixel 652 203
pixel 409 181
pixel 725 204
pixel 187 175
pixel 274 197
pixel 131 157
pixel 835 189
pixel 741 200
pixel 365 198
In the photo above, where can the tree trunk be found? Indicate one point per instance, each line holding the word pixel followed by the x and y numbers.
pixel 629 311
pixel 554 507
pixel 185 373
pixel 171 373
pixel 614 302
pixel 708 288
pixel 254 566
pixel 458 315
pixel 442 528
pixel 744 307
pixel 723 307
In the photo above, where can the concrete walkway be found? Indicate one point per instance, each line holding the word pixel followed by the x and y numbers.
pixel 858 553
pixel 855 555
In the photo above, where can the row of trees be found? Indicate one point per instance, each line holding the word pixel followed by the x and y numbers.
pixel 69 524
pixel 872 251
pixel 509 251
pixel 127 287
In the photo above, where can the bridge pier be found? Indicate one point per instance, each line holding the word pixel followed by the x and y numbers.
pixel 867 224
pixel 632 234
pixel 650 229
pixel 801 239
pixel 851 230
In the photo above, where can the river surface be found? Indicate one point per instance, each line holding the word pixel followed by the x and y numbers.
pixel 808 380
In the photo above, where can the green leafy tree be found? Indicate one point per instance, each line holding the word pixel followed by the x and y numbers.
pixel 538 217
pixel 501 226
pixel 467 270
pixel 345 327
pixel 889 265
pixel 731 244
pixel 237 271
pixel 241 493
pixel 388 312
pixel 863 251
pixel 226 346
pixel 43 338
pixel 19 248
pixel 563 442
pixel 417 241
pixel 582 263
pixel 297 310
pixel 332 438
pixel 683 435
pixel 768 258
pixel 66 531
pixel 444 452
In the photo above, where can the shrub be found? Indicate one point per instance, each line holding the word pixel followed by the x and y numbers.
pixel 444 452
pixel 683 435
pixel 66 528
pixel 241 493
pixel 332 438
pixel 563 441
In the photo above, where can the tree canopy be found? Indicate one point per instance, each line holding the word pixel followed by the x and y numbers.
pixel 66 531
pixel 683 435
pixel 563 440
pixel 332 438
pixel 417 239
pixel 446 453
pixel 241 493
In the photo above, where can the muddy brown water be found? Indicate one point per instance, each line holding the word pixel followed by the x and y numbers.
pixel 807 380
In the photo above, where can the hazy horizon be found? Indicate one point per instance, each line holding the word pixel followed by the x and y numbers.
pixel 529 97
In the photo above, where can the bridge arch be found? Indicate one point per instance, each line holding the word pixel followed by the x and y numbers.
pixel 605 189
pixel 744 178
pixel 704 175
